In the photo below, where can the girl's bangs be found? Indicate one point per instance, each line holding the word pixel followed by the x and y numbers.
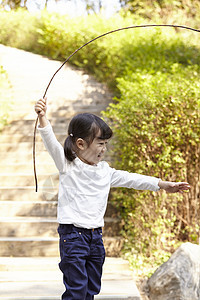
pixel 104 130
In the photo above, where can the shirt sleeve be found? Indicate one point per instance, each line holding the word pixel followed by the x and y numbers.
pixel 133 180
pixel 54 148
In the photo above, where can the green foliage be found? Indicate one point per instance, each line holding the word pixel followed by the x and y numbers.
pixel 18 29
pixel 166 11
pixel 157 129
pixel 5 98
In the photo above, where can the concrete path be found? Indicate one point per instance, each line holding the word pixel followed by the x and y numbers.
pixel 28 241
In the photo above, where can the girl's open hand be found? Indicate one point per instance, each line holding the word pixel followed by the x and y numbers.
pixel 40 107
pixel 174 187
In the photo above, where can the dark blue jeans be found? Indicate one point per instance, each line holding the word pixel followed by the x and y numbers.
pixel 82 256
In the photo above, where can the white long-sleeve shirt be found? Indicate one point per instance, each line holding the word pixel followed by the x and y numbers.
pixel 84 189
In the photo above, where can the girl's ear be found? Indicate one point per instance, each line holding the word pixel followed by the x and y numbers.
pixel 81 144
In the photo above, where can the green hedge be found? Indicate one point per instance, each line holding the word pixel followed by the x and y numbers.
pixel 157 130
pixel 18 29
pixel 156 124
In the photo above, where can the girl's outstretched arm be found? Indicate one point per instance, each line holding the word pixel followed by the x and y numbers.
pixel 174 187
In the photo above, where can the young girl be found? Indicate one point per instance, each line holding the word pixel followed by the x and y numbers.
pixel 84 184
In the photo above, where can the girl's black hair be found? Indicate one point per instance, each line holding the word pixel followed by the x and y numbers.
pixel 85 126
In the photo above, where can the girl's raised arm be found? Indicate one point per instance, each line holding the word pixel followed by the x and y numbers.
pixel 52 145
pixel 40 109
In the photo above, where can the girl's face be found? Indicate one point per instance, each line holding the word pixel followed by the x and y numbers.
pixel 93 153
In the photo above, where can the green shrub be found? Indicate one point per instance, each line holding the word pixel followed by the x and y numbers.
pixel 18 29
pixel 157 129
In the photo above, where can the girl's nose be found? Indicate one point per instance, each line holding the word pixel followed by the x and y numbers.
pixel 104 148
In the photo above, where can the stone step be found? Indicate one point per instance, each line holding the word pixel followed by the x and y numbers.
pixel 24 193
pixel 46 226
pixel 26 127
pixel 40 279
pixel 35 203
pixel 26 196
pixel 37 264
pixel 27 168
pixel 10 208
pixel 17 135
pixel 93 109
pixel 21 180
pixel 28 209
pixel 48 246
pixel 25 156
pixel 54 112
pixel 20 227
pixel 44 286
pixel 29 246
pixel 28 138
pixel 21 147
pixel 18 154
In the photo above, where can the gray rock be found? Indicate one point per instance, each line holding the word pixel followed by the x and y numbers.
pixel 179 277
